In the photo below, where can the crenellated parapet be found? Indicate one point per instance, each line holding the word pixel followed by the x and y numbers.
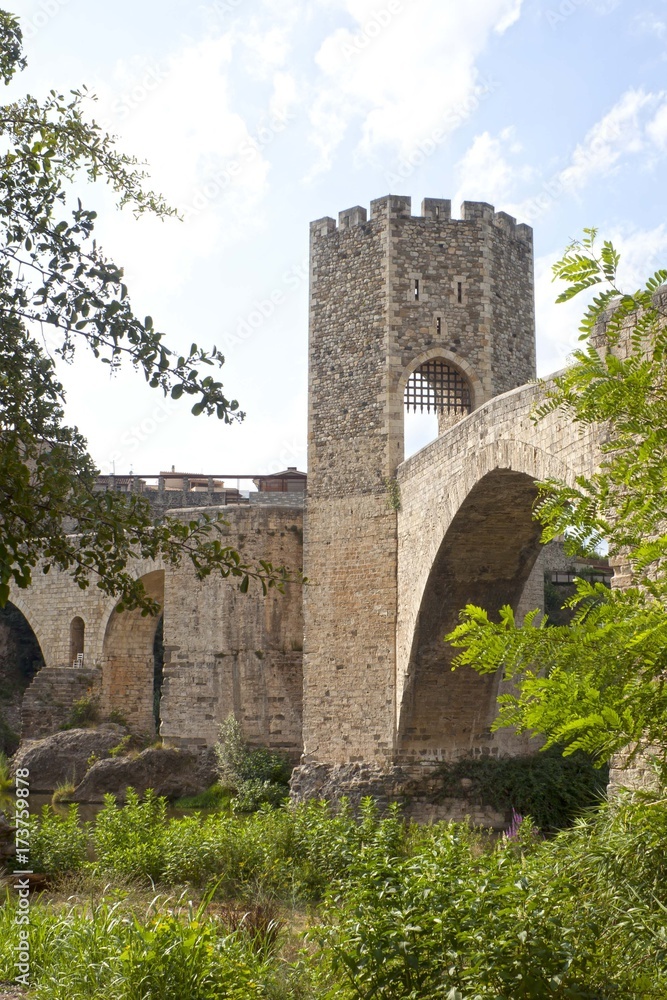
pixel 435 210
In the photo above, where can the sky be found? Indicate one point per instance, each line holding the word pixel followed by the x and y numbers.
pixel 258 116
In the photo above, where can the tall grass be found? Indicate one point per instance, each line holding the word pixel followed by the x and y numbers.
pixel 169 952
pixel 396 912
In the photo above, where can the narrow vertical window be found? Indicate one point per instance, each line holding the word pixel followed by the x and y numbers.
pixel 76 638
pixel 437 211
pixel 416 289
pixel 459 292
pixel 438 325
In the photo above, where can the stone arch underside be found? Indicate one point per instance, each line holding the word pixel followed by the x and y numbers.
pixel 21 658
pixel 128 664
pixel 485 558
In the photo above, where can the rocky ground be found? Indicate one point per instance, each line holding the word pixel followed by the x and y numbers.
pixel 109 759
pixel 10 992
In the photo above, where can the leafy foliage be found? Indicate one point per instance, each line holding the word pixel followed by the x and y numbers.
pixel 85 711
pixel 258 776
pixel 215 797
pixel 55 277
pixel 598 685
pixel 574 917
pixel 58 844
pixel 552 790
pixel 129 839
pixel 409 913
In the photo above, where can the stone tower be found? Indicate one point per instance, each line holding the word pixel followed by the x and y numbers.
pixel 421 309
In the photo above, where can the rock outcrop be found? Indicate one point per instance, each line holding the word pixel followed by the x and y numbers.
pixel 63 757
pixel 168 771
pixel 417 789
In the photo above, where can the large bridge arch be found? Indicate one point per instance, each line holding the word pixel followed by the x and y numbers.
pixel 466 535
pixel 485 558
pixel 128 660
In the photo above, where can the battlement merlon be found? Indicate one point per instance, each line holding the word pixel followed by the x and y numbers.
pixel 434 210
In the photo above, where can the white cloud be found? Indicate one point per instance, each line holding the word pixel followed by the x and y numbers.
pixel 657 128
pixel 643 252
pixel 267 48
pixel 648 23
pixel 178 115
pixel 486 173
pixel 625 131
pixel 618 133
pixel 401 71
pixel 509 18
pixel 285 94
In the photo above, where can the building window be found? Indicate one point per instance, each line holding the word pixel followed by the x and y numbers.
pixel 416 289
pixel 437 387
pixel 438 325
pixel 459 292
pixel 76 637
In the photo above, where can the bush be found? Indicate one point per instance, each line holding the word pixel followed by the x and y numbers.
pixel 581 916
pixel 553 790
pixel 84 712
pixel 129 839
pixel 215 797
pixel 289 854
pixel 63 792
pixel 258 776
pixel 58 844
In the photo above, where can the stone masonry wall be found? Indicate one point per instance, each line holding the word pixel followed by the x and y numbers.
pixel 231 652
pixel 384 299
pixel 47 704
pixel 466 534
pixel 226 651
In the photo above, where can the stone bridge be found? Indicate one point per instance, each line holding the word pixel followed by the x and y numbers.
pixel 466 534
pixel 212 651
pixel 354 669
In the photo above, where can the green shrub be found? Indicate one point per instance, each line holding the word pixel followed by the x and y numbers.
pixel 58 844
pixel 288 854
pixel 122 747
pixel 117 717
pixel 215 797
pixel 258 776
pixel 129 839
pixel 84 712
pixel 550 788
pixel 572 917
pixel 63 793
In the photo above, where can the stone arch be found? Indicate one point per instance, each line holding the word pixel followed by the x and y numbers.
pixel 484 558
pixel 454 361
pixel 21 658
pixel 128 665
pixel 32 618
